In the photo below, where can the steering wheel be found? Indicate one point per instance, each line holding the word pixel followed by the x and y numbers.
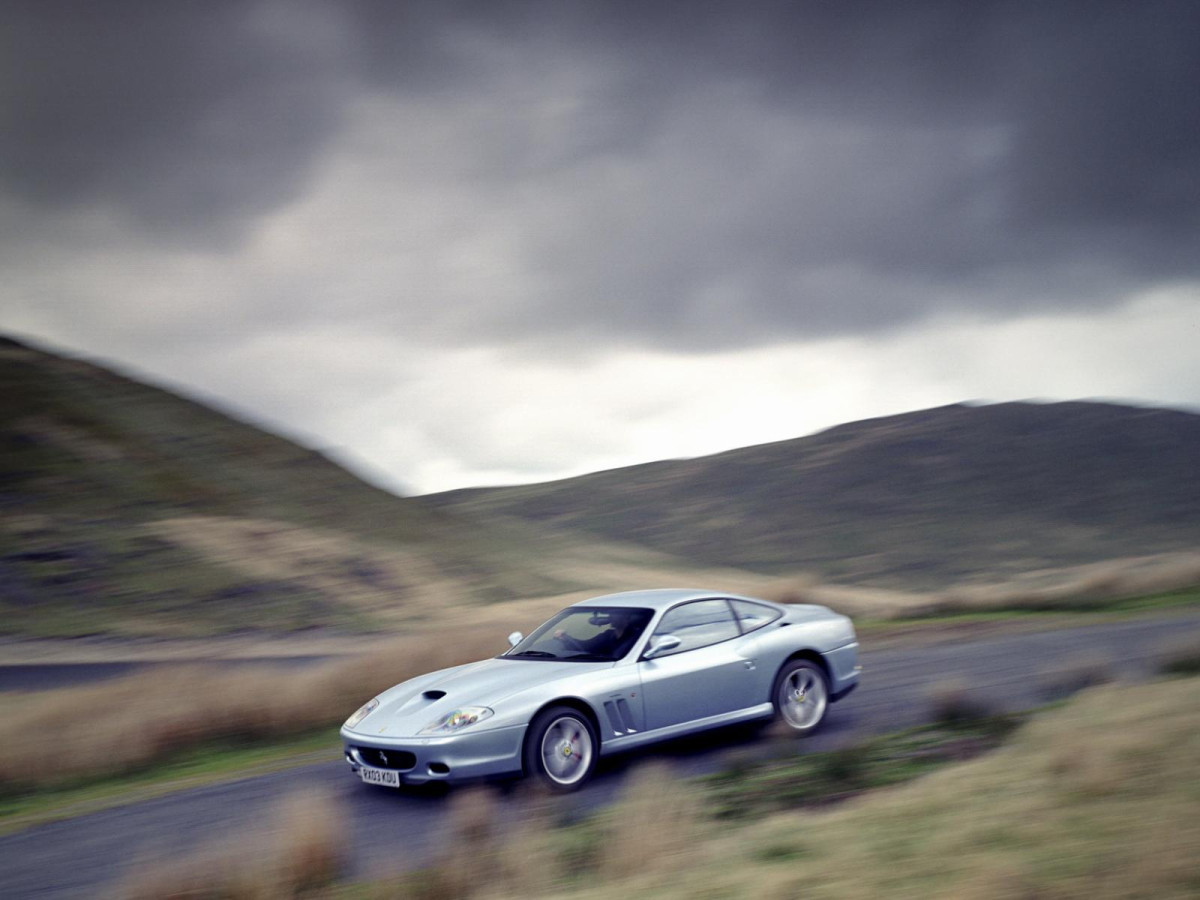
pixel 568 641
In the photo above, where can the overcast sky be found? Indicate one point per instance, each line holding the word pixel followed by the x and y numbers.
pixel 476 243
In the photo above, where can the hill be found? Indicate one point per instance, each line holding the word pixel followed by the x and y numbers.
pixel 915 501
pixel 127 509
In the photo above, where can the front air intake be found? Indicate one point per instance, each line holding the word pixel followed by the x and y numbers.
pixel 400 760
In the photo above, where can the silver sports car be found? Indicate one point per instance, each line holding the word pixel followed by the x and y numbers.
pixel 606 675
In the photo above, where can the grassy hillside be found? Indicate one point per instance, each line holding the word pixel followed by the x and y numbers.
pixel 915 500
pixel 127 509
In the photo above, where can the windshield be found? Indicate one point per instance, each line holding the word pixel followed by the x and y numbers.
pixel 585 634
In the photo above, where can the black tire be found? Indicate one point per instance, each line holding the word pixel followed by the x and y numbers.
pixel 561 749
pixel 801 696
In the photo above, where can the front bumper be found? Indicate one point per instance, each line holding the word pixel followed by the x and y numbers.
pixel 459 757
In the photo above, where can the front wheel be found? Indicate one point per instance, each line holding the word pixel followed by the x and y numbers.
pixel 801 696
pixel 561 749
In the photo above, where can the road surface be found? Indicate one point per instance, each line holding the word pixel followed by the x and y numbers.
pixel 392 830
pixel 48 676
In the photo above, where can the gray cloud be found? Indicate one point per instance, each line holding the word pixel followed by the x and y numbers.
pixel 692 175
pixel 186 118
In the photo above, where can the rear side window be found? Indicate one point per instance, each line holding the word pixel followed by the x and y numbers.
pixel 754 615
pixel 699 624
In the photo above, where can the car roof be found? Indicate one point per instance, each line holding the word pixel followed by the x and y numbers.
pixel 657 599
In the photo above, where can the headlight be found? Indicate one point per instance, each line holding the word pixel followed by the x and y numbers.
pixel 457 720
pixel 361 713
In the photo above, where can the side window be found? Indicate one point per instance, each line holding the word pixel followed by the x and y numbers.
pixel 699 624
pixel 754 615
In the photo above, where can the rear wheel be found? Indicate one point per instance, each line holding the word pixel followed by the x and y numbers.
pixel 561 748
pixel 801 696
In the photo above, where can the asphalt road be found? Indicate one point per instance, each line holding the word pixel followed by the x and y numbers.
pixel 47 676
pixel 392 830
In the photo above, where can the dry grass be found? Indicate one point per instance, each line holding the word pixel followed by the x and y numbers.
pixel 302 850
pixel 1181 656
pixel 652 828
pixel 124 724
pixel 1078 588
pixel 362 576
pixel 953 703
pixel 394 586
pixel 486 852
pixel 473 839
pixel 1100 799
pixel 119 725
pixel 1074 589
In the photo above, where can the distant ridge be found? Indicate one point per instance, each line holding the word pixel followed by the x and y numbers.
pixel 920 499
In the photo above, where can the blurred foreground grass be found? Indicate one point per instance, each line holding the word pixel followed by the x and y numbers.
pixel 753 786
pixel 1097 799
pixel 297 852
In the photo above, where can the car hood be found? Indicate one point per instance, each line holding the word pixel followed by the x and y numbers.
pixel 407 708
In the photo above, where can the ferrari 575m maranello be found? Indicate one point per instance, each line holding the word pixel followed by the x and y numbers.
pixel 604 676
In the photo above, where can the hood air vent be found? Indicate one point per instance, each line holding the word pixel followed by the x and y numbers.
pixel 434 695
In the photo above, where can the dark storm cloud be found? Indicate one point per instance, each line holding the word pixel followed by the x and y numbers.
pixel 996 156
pixel 724 172
pixel 185 117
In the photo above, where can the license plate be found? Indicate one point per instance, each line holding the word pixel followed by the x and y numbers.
pixel 386 777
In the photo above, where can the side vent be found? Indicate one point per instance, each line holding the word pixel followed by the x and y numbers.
pixel 626 716
pixel 614 719
pixel 619 716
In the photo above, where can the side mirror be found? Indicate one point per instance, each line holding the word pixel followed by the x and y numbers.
pixel 515 638
pixel 660 645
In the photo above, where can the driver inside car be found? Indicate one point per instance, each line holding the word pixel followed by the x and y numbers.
pixel 613 642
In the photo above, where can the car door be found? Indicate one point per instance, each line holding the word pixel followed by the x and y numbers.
pixel 705 675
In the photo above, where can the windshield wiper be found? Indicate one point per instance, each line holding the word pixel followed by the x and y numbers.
pixel 535 654
pixel 589 657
